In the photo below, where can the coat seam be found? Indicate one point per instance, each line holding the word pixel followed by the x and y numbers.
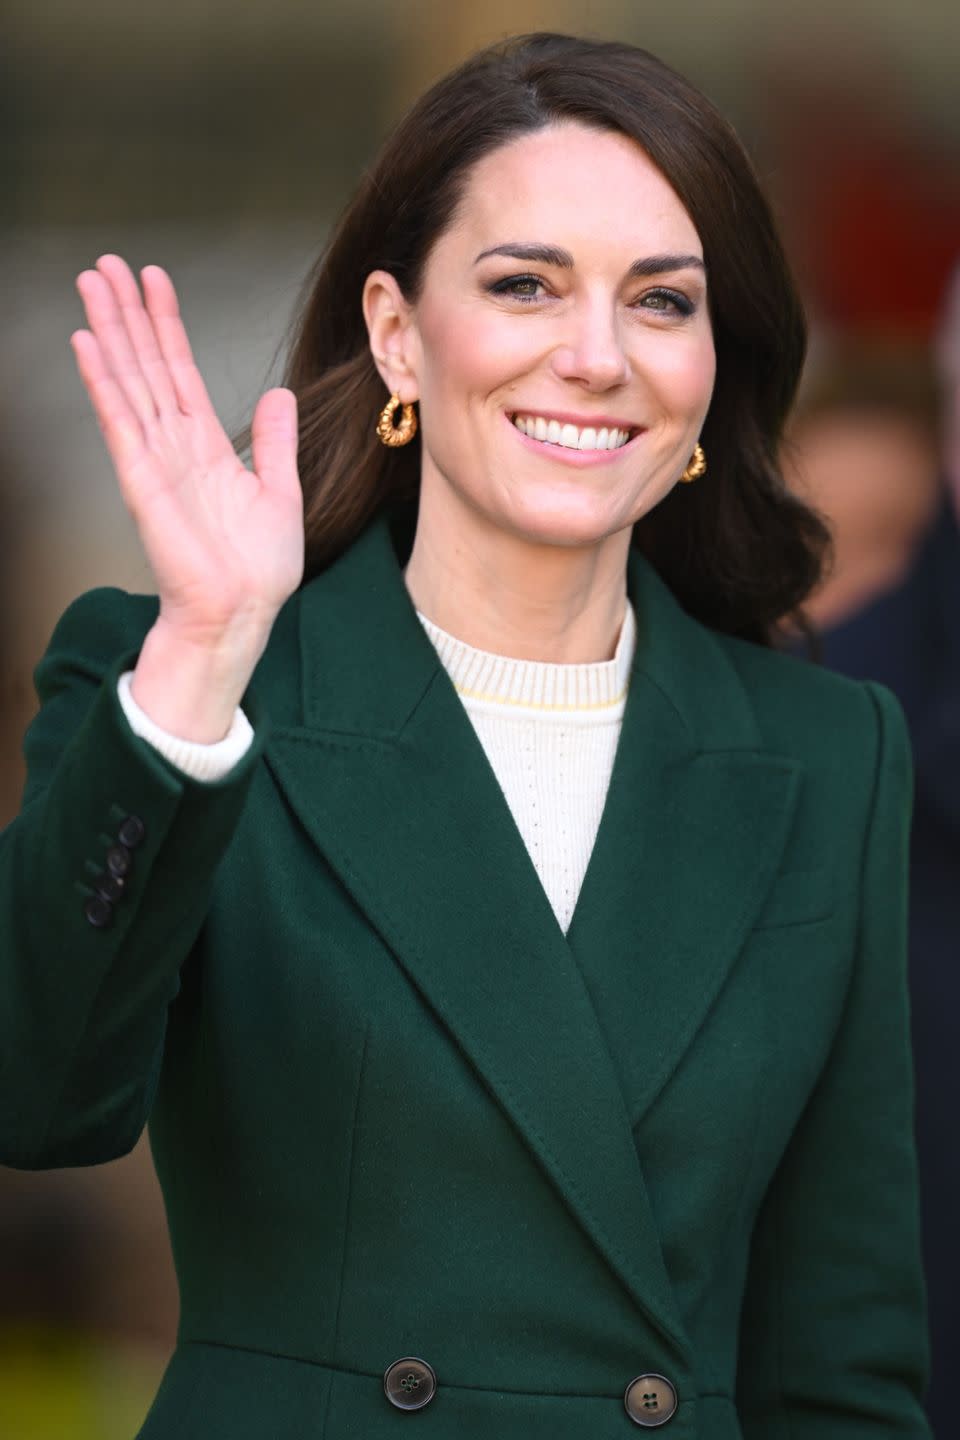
pixel 351 1171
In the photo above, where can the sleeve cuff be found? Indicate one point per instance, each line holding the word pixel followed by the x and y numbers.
pixel 202 762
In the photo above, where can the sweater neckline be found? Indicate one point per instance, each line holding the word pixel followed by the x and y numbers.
pixel 483 677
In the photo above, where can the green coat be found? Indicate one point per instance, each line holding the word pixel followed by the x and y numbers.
pixel 396 1112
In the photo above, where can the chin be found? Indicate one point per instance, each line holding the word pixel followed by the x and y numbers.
pixel 564 520
pixel 564 528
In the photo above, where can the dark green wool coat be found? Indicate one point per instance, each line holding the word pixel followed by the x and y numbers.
pixel 396 1112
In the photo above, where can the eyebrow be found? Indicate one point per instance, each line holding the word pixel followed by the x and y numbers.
pixel 553 255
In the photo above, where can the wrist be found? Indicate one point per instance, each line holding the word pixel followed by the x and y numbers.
pixel 191 688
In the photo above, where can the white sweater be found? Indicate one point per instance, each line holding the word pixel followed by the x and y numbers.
pixel 549 731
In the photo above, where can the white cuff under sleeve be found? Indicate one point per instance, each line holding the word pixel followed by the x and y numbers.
pixel 202 762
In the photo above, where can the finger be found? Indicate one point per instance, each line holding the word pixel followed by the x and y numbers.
pixel 107 325
pixel 118 421
pixel 140 331
pixel 174 345
pixel 274 441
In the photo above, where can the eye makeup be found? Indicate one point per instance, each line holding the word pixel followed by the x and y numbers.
pixel 509 287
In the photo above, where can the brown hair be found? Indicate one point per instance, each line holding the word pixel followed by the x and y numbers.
pixel 736 549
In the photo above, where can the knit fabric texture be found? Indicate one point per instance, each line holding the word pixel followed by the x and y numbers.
pixel 550 733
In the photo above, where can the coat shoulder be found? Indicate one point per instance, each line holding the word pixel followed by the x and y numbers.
pixel 96 627
pixel 805 710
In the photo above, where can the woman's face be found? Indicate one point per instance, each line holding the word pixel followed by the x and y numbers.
pixel 561 347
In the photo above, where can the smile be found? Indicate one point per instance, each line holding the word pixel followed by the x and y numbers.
pixel 572 437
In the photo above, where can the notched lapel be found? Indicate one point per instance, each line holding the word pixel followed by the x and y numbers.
pixel 396 792
pixel 680 871
pixel 693 831
pixel 420 836
pixel 574 1036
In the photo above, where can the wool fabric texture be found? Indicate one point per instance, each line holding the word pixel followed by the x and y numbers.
pixel 395 1111
pixel 549 731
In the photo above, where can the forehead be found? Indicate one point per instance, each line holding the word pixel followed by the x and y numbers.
pixel 568 182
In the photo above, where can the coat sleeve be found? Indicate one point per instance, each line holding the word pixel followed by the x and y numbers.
pixel 833 1338
pixel 83 1001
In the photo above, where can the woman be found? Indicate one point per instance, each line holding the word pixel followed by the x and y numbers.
pixel 455 1129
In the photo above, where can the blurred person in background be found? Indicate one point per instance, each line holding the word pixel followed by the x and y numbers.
pixel 504 941
pixel 866 449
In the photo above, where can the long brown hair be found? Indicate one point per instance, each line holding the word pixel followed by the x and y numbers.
pixel 736 549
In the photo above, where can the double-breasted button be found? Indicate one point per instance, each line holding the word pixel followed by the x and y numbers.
pixel 98 911
pixel 409 1384
pixel 131 831
pixel 650 1400
pixel 119 860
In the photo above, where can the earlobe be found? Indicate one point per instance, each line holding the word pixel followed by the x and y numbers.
pixel 388 316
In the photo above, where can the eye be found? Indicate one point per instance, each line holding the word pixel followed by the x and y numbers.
pixel 517 287
pixel 666 302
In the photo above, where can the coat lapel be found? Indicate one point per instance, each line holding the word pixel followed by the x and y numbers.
pixel 692 835
pixel 385 772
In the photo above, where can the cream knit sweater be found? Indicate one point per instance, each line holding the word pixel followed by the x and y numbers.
pixel 549 731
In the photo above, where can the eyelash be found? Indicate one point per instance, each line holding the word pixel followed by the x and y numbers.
pixel 681 304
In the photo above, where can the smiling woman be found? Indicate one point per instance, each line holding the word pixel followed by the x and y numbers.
pixel 505 943
pixel 606 335
pixel 647 254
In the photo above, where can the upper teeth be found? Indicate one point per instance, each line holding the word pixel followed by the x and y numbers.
pixel 571 436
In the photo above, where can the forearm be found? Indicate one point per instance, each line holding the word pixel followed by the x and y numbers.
pixel 88 967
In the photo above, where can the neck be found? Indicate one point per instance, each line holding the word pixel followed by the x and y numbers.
pixel 503 593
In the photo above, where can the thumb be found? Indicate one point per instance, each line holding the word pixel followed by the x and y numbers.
pixel 274 440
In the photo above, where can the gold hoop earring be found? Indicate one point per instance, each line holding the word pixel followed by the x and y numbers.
pixel 390 434
pixel 696 466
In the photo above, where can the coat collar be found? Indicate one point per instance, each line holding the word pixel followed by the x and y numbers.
pixel 379 760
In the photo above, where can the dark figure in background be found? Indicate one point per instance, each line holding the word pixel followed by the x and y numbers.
pixel 867 456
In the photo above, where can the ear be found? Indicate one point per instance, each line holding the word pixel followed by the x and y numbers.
pixel 391 329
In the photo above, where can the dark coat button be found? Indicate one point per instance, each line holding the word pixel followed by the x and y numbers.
pixel 119 860
pixel 650 1400
pixel 111 887
pixel 409 1384
pixel 98 911
pixel 131 831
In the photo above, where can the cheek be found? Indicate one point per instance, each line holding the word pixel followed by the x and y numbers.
pixel 681 375
pixel 473 355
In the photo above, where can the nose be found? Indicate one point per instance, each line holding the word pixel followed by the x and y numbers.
pixel 591 351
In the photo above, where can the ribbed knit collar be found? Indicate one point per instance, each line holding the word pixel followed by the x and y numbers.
pixel 480 676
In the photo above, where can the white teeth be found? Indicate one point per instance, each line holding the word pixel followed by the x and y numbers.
pixel 569 436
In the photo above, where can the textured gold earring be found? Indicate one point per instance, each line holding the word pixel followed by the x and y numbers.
pixel 389 433
pixel 696 466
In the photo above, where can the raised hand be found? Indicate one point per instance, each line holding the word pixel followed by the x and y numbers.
pixel 225 544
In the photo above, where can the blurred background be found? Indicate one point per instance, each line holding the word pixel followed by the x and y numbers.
pixel 219 141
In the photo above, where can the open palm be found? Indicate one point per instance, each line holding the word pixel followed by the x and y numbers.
pixel 225 543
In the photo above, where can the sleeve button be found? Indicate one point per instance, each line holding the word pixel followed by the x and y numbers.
pixel 131 831
pixel 111 887
pixel 119 860
pixel 98 911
